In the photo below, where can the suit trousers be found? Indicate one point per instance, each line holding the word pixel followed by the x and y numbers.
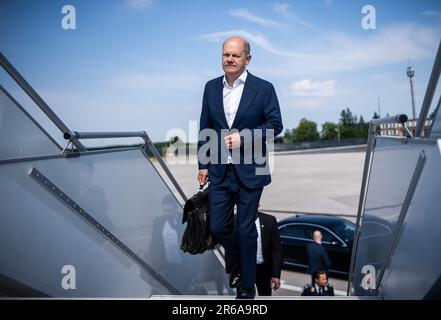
pixel 263 279
pixel 238 239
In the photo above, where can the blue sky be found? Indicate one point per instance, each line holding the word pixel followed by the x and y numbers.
pixel 142 64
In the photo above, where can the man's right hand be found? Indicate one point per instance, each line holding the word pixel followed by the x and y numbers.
pixel 203 176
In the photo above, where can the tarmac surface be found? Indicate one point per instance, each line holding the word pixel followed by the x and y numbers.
pixel 317 183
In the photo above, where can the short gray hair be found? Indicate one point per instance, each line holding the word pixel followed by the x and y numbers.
pixel 247 47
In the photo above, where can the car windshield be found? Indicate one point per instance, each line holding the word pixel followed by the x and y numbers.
pixel 344 230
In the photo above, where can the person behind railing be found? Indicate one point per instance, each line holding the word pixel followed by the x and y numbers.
pixel 164 252
pixel 320 287
pixel 317 256
pixel 269 257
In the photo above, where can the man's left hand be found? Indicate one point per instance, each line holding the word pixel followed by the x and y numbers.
pixel 275 283
pixel 232 141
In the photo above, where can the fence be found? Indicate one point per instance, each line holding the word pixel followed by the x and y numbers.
pixel 318 144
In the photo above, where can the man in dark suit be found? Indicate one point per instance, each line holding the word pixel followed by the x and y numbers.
pixel 317 256
pixel 165 254
pixel 268 258
pixel 239 113
pixel 320 287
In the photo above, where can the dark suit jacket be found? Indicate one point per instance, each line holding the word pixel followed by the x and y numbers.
pixel 310 290
pixel 258 109
pixel 271 246
pixel 318 258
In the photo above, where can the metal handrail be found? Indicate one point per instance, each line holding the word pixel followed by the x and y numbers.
pixel 18 78
pixel 102 135
pixel 61 196
pixel 399 118
pixel 73 136
pixel 373 124
pixel 435 115
pixel 430 91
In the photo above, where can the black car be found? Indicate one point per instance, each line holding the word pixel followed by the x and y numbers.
pixel 338 235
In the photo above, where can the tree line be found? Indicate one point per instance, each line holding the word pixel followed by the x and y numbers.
pixel 349 126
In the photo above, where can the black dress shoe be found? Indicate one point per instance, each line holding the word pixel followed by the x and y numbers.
pixel 246 293
pixel 234 278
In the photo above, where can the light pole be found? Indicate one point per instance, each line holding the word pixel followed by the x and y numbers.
pixel 411 74
pixel 379 107
pixel 338 132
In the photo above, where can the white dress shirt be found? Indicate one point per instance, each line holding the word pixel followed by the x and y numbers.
pixel 231 98
pixel 171 244
pixel 232 95
pixel 259 257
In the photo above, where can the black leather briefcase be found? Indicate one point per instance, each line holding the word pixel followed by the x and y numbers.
pixel 197 237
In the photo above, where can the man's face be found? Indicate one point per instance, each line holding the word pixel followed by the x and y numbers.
pixel 234 59
pixel 168 210
pixel 317 236
pixel 322 280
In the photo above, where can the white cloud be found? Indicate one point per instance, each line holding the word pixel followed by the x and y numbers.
pixel 308 88
pixel 253 38
pixel 246 15
pixel 393 44
pixel 281 7
pixel 432 13
pixel 389 45
pixel 139 4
